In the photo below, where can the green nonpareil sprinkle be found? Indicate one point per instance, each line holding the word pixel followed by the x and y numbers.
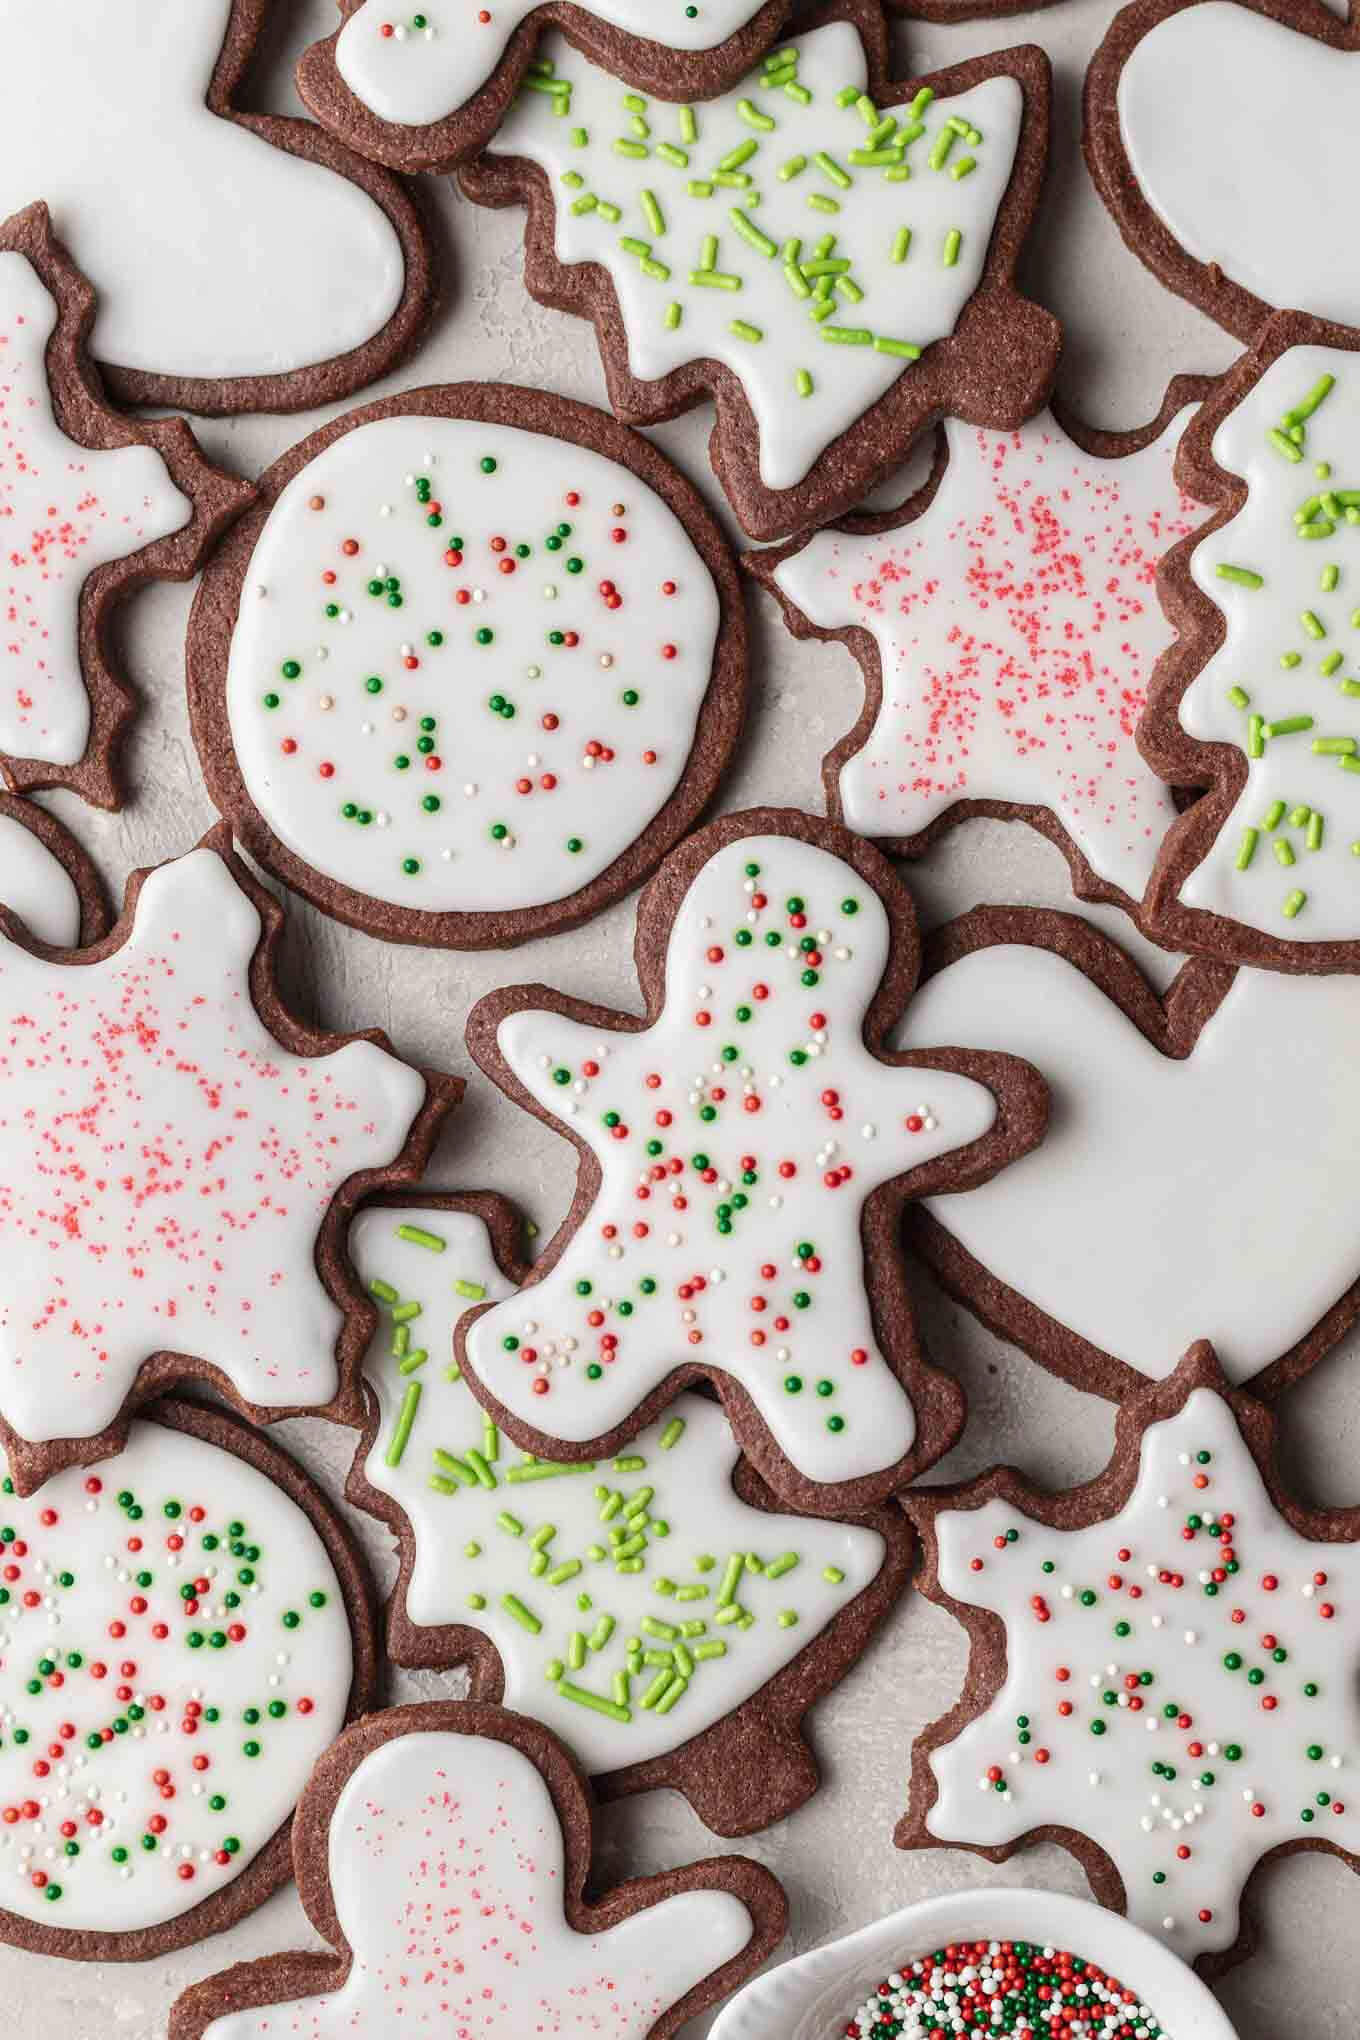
pixel 803 383
pixel 1241 577
pixel 449 1463
pixel 614 1709
pixel 1239 697
pixel 1284 851
pixel 752 234
pixel 1313 624
pixel 652 212
pixel 472 1292
pixel 742 329
pixel 518 1612
pixel 901 246
pixel 1289 725
pixel 1275 814
pixel 1329 665
pixel 1335 747
pixel 1331 574
pixel 832 170
pixel 1283 445
pixel 1256 740
pixel 689 126
pixel 953 241
pixel 1294 904
pixel 1246 849
pixel 1321 389
pixel 674 314
pixel 384 1291
pixel 1315 826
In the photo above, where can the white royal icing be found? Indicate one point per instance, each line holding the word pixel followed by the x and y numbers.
pixel 415 65
pixel 1103 1226
pixel 1016 622
pixel 1204 1766
pixel 574 680
pixel 166 1166
pixel 896 293
pixel 213 252
pixel 37 887
pixel 152 1704
pixel 447 1870
pixel 1289 655
pixel 791 1151
pixel 1189 99
pixel 598 1584
pixel 64 510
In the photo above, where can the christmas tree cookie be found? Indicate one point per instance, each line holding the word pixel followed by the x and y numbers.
pixel 424 88
pixel 183 1630
pixel 443 1851
pixel 180 1157
pixel 93 505
pixel 656 1610
pixel 1259 699
pixel 828 256
pixel 746 1151
pixel 1163 1671
pixel 473 666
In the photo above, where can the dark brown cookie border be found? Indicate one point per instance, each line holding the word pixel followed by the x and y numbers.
pixel 273 1866
pixel 762 565
pixel 995 369
pixel 1078 1508
pixel 1022 1111
pixel 73 859
pixel 1172 1023
pixel 83 412
pixel 1229 304
pixel 281 1979
pixel 441 145
pixel 1173 754
pixel 745 1771
pixel 32 1461
pixel 718 726
pixel 321 382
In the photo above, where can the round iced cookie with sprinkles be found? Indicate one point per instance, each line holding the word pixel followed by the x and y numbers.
pixel 423 88
pixel 475 664
pixel 184 1628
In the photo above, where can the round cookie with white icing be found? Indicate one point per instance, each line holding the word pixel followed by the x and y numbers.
pixel 1007 625
pixel 181 1157
pixel 1160 1679
pixel 244 261
pixel 474 665
pixel 1258 699
pixel 827 255
pixel 184 1629
pixel 658 1611
pixel 746 1152
pixel 423 88
pixel 94 504
pixel 1099 1272
pixel 1175 152
pixel 46 880
pixel 435 1840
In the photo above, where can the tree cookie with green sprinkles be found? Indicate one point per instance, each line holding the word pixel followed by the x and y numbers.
pixel 1162 1674
pixel 826 255
pixel 746 1152
pixel 658 1610
pixel 444 1852
pixel 424 88
pixel 184 1629
pixel 539 559
pixel 1259 698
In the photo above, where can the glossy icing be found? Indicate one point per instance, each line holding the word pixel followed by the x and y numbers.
pixel 1016 623
pixel 624 1570
pixel 469 664
pixel 738 1140
pixel 167 1166
pixel 636 167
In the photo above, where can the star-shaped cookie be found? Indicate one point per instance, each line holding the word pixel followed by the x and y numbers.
pixel 659 1611
pixel 1163 1667
pixel 178 1159
pixel 1007 622
pixel 443 1851
pixel 746 1152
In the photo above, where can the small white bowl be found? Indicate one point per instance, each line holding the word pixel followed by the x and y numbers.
pixel 812 1997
